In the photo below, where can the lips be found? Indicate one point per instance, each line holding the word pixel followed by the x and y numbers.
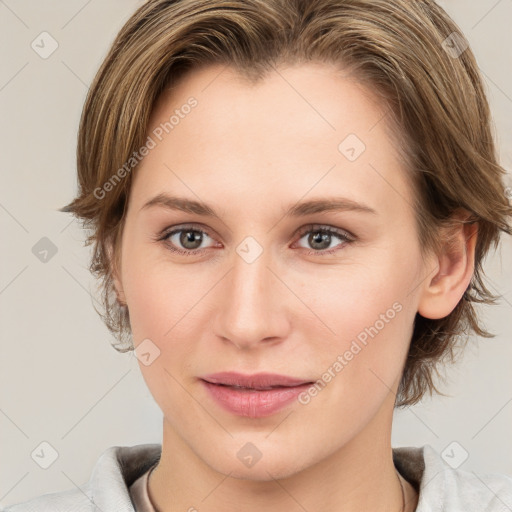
pixel 253 396
pixel 259 381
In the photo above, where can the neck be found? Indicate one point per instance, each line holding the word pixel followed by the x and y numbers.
pixel 360 475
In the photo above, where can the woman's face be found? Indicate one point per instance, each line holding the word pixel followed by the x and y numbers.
pixel 257 285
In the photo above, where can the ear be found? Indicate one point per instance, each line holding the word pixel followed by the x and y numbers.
pixel 455 262
pixel 114 263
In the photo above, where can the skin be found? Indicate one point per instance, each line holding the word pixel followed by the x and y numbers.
pixel 251 152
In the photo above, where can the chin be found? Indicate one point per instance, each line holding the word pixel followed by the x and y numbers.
pixel 273 466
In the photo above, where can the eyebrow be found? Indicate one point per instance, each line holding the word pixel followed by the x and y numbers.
pixel 297 210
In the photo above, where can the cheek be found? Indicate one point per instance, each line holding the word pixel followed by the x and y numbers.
pixel 161 299
pixel 158 293
pixel 356 296
pixel 361 366
pixel 369 311
pixel 161 303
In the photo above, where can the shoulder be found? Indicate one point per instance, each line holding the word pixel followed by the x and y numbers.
pixel 108 487
pixel 444 486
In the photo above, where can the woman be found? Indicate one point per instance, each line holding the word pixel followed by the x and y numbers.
pixel 290 203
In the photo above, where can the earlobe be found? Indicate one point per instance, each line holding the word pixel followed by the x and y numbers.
pixel 119 290
pixel 443 291
pixel 115 272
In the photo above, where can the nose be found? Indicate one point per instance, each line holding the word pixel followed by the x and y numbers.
pixel 252 304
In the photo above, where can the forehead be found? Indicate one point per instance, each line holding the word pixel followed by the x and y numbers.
pixel 306 129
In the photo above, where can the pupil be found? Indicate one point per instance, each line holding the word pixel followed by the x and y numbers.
pixel 323 239
pixel 189 237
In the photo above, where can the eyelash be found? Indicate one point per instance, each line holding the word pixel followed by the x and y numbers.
pixel 343 235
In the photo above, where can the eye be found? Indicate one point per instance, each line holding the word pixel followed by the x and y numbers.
pixel 189 240
pixel 320 238
pixel 185 240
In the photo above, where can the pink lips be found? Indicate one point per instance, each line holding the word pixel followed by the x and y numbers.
pixel 254 396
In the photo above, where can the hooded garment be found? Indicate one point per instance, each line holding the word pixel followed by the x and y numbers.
pixel 118 484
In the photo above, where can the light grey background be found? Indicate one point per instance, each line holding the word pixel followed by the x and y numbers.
pixel 61 381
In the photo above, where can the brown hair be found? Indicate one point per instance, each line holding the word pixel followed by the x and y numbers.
pixel 409 51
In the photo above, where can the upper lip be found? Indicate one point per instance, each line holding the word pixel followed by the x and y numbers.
pixel 255 381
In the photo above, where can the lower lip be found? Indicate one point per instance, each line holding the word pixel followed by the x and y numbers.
pixel 252 403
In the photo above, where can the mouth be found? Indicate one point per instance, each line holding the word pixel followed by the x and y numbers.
pixel 253 396
pixel 256 382
pixel 255 388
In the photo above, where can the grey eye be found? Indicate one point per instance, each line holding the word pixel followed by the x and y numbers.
pixel 189 239
pixel 320 239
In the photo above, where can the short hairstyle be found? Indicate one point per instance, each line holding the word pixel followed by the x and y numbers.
pixel 409 53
